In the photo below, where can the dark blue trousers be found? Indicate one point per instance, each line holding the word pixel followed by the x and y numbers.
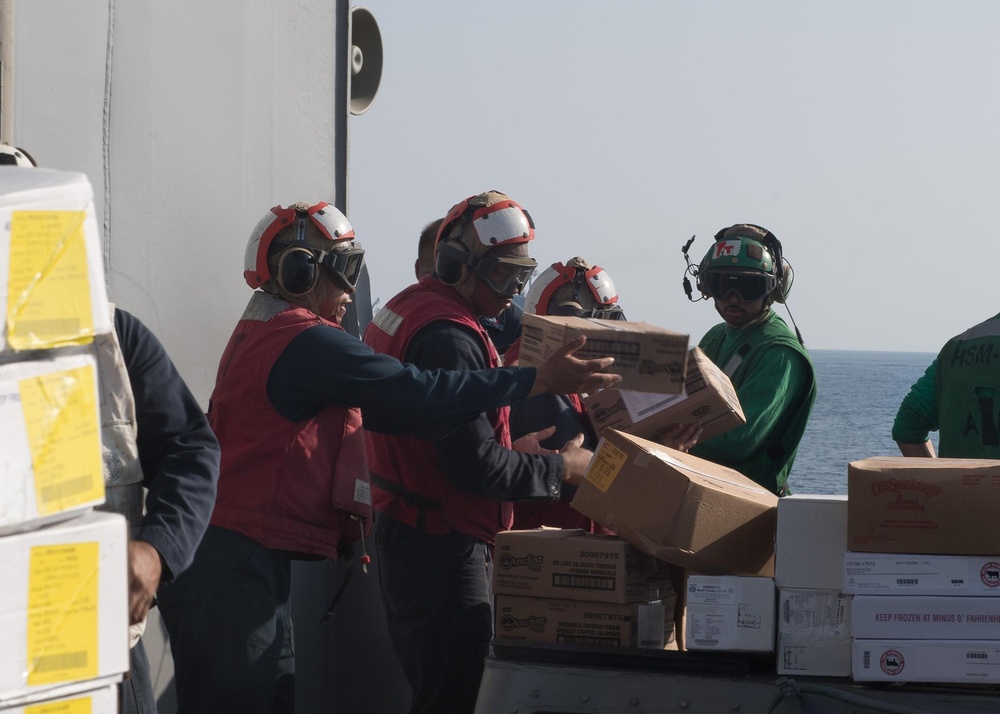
pixel 229 622
pixel 436 591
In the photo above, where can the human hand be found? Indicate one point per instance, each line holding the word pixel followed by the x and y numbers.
pixel 680 436
pixel 562 373
pixel 576 460
pixel 530 443
pixel 144 572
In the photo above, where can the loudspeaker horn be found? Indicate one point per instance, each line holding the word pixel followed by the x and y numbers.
pixel 365 59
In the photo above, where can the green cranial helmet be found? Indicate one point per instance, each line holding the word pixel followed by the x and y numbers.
pixel 743 259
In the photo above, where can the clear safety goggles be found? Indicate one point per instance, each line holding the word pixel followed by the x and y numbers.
pixel 750 287
pixel 345 264
pixel 572 309
pixel 506 275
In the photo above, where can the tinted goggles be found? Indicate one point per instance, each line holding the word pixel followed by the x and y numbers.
pixel 749 286
pixel 613 312
pixel 507 276
pixel 345 264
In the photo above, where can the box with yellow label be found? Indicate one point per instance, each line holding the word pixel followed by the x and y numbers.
pixel 51 261
pixel 63 604
pixel 50 420
pixel 90 697
pixel 677 507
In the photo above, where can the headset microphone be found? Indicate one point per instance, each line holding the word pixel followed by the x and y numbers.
pixel 689 270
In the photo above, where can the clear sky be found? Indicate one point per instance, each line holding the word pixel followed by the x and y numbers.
pixel 865 135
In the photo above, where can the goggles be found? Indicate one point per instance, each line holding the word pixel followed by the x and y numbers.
pixel 507 276
pixel 749 286
pixel 572 309
pixel 344 264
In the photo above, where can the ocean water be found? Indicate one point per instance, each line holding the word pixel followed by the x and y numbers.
pixel 858 394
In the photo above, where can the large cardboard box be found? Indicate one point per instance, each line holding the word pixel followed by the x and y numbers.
pixel 679 508
pixel 734 614
pixel 920 617
pixel 896 574
pixel 811 541
pixel 708 397
pixel 575 565
pixel 945 661
pixel 90 697
pixel 649 358
pixel 814 632
pixel 51 468
pixel 942 506
pixel 63 604
pixel 579 622
pixel 51 261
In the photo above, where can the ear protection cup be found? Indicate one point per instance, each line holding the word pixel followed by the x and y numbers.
pixel 297 271
pixel 449 261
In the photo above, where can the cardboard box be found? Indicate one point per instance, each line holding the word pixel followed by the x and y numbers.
pixel 729 613
pixel 938 506
pixel 896 574
pixel 648 625
pixel 811 541
pixel 679 508
pixel 649 358
pixel 51 261
pixel 90 697
pixel 63 604
pixel 51 467
pixel 944 661
pixel 925 617
pixel 575 565
pixel 708 397
pixel 814 632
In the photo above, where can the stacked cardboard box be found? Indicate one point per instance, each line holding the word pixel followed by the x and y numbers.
pixel 730 613
pixel 569 586
pixel 924 569
pixel 708 398
pixel 814 613
pixel 63 598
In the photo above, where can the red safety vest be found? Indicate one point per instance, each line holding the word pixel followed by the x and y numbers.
pixel 408 483
pixel 296 486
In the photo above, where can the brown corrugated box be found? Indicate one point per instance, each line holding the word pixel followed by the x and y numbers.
pixel 649 625
pixel 708 398
pixel 905 505
pixel 575 565
pixel 677 507
pixel 649 358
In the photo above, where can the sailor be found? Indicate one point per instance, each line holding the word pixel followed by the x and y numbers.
pixel 744 273
pixel 441 504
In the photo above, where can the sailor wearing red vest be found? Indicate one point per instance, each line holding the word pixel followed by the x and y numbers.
pixel 442 503
pixel 294 479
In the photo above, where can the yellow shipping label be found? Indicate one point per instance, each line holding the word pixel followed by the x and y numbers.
pixel 61 420
pixel 82 705
pixel 48 297
pixel 605 466
pixel 62 612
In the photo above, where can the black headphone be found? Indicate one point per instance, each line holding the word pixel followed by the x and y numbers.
pixel 298 270
pixel 448 262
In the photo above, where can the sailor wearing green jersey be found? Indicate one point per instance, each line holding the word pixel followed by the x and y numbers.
pixel 744 274
pixel 958 396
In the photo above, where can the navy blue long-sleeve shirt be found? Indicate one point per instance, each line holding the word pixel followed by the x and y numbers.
pixel 177 449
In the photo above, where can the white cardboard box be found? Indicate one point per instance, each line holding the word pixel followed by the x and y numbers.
pixel 63 604
pixel 810 541
pixel 896 574
pixel 51 468
pixel 930 617
pixel 51 261
pixel 814 632
pixel 965 661
pixel 98 696
pixel 729 612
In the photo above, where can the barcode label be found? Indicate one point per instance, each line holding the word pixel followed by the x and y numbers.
pixel 583 582
pixel 907 581
pixel 577 640
pixel 64 660
pixel 65 489
pixel 53 326
pixel 976 655
pixel 867 660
